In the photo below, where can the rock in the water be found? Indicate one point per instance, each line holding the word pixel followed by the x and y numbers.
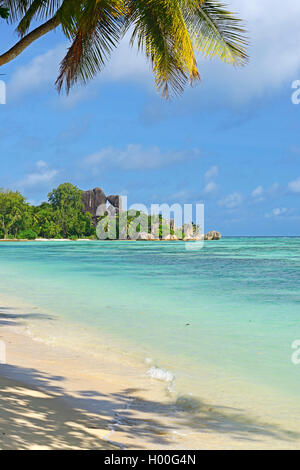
pixel 170 237
pixel 200 236
pixel 188 231
pixel 144 236
pixel 194 238
pixel 212 235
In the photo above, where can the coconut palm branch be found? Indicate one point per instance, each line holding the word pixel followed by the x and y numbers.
pixel 169 32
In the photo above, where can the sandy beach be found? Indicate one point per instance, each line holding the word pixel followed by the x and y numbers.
pixel 58 398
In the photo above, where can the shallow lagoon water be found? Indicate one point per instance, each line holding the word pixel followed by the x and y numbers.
pixel 221 319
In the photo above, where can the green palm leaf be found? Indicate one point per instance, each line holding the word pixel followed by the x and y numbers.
pixel 96 31
pixel 4 12
pixel 41 9
pixel 17 8
pixel 216 32
pixel 161 33
pixel 168 32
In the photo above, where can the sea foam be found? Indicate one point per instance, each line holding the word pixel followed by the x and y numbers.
pixel 161 374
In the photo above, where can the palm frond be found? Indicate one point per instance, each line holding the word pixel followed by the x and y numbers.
pixel 161 33
pixel 38 9
pixel 17 8
pixel 216 32
pixel 167 31
pixel 4 12
pixel 96 31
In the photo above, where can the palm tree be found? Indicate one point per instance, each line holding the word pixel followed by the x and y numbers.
pixel 169 32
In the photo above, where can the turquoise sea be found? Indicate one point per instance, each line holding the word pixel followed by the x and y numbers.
pixel 221 319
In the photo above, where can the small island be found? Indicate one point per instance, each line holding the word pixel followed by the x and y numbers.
pixel 73 214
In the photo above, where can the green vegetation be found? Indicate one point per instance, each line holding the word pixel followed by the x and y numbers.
pixel 127 225
pixel 4 12
pixel 14 213
pixel 61 217
pixel 66 202
pixel 27 234
pixel 169 33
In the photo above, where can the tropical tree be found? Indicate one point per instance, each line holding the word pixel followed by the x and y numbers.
pixel 14 213
pixel 66 201
pixel 44 221
pixel 168 32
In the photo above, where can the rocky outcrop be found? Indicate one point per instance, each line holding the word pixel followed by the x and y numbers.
pixel 92 200
pixel 212 235
pixel 111 211
pixel 115 201
pixel 170 237
pixel 95 202
pixel 193 238
pixel 188 231
pixel 144 236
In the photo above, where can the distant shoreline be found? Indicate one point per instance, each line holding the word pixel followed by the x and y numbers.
pixel 96 240
pixel 129 240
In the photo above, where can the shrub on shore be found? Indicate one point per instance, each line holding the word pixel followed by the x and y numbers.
pixel 28 234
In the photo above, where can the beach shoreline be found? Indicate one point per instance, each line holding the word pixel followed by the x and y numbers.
pixel 54 397
pixel 89 402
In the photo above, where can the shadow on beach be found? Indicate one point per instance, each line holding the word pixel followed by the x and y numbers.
pixel 8 318
pixel 44 415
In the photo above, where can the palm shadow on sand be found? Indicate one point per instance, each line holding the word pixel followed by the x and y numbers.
pixel 43 415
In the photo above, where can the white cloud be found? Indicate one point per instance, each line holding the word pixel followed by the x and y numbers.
pixel 231 201
pixel 79 93
pixel 38 74
pixel 258 192
pixel 127 63
pixel 41 164
pixel 273 51
pixel 272 37
pixel 276 212
pixel 294 186
pixel 211 173
pixel 40 177
pixel 273 189
pixel 210 187
pixel 136 157
pixel 182 196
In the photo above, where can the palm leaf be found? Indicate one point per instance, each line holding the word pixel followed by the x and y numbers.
pixel 95 32
pixel 167 31
pixel 38 9
pixel 161 33
pixel 4 12
pixel 216 32
pixel 17 8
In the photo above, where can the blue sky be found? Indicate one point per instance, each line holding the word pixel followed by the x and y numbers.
pixel 232 142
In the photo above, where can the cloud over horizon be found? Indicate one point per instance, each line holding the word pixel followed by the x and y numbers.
pixel 138 158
